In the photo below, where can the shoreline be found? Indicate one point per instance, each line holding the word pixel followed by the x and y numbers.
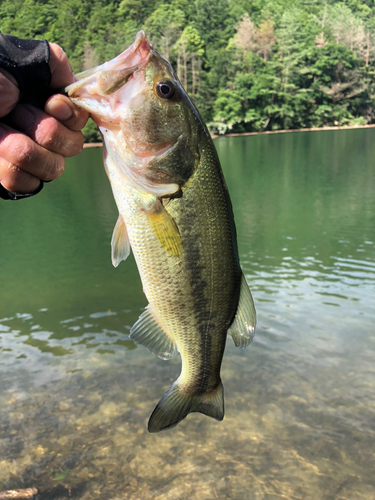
pixel 314 129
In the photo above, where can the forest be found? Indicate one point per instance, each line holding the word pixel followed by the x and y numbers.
pixel 249 65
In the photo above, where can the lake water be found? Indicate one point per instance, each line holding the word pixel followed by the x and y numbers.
pixel 76 393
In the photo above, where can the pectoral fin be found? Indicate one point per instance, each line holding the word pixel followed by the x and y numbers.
pixel 165 229
pixel 120 242
pixel 243 327
pixel 149 333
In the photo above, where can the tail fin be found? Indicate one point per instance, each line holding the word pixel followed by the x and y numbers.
pixel 176 404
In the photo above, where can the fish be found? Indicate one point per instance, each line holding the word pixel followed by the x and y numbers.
pixel 176 216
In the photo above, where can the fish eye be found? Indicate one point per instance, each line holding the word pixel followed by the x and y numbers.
pixel 166 89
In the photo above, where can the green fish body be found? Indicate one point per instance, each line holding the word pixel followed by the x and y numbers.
pixel 176 216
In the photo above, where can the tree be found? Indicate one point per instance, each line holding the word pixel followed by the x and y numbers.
pixel 248 64
pixel 246 34
pixel 265 37
pixel 164 27
pixel 189 46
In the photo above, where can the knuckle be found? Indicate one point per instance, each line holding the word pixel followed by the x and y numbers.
pixel 12 178
pixel 69 143
pixel 8 101
pixel 24 152
pixel 20 182
pixel 47 133
pixel 76 144
pixel 9 95
pixel 80 142
pixel 54 167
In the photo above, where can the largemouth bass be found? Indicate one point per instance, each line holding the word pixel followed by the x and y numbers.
pixel 176 216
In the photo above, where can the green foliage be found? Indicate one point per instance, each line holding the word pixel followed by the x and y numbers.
pixel 193 42
pixel 248 65
pixel 91 132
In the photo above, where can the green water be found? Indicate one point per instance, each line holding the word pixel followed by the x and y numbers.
pixel 76 393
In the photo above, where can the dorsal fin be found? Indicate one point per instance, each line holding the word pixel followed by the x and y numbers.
pixel 243 327
pixel 149 333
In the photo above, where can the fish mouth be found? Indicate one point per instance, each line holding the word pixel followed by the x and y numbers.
pixel 110 76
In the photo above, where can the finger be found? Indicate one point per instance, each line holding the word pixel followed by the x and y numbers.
pixel 23 152
pixel 17 180
pixel 62 108
pixel 9 93
pixel 61 72
pixel 46 131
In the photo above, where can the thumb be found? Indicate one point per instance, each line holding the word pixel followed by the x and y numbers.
pixel 61 72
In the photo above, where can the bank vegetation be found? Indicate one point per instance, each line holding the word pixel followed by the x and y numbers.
pixel 249 65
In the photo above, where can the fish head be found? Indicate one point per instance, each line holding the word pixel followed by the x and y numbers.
pixel 137 97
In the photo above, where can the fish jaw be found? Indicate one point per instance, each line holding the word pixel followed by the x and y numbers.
pixel 97 90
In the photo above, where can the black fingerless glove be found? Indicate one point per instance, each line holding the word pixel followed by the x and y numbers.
pixel 27 62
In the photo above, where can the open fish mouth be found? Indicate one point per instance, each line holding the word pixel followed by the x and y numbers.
pixel 107 78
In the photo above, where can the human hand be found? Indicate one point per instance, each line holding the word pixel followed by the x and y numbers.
pixel 34 150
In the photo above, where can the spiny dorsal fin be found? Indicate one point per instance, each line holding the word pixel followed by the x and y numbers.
pixel 120 242
pixel 165 229
pixel 148 332
pixel 243 327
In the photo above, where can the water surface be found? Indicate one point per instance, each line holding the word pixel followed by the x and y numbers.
pixel 76 393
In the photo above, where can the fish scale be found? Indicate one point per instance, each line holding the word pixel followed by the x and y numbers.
pixel 176 216
pixel 213 281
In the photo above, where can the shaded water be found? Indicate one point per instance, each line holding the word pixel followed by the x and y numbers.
pixel 76 393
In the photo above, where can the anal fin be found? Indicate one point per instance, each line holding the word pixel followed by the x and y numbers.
pixel 148 332
pixel 120 244
pixel 243 327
